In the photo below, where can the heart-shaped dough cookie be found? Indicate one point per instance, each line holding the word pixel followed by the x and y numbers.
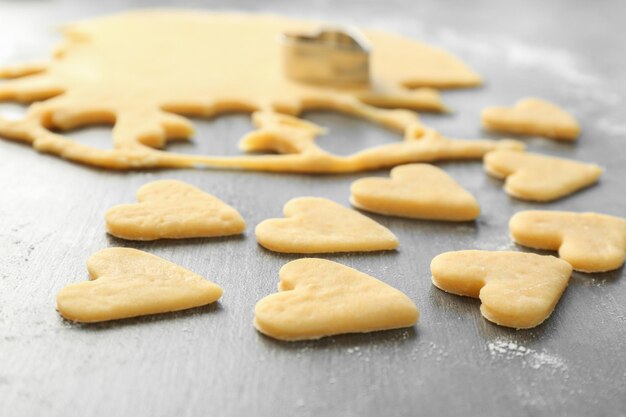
pixel 319 225
pixel 128 283
pixel 322 298
pixel 532 116
pixel 538 177
pixel 590 242
pixel 516 289
pixel 169 209
pixel 419 191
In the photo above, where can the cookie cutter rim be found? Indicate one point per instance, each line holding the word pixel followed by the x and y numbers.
pixel 332 55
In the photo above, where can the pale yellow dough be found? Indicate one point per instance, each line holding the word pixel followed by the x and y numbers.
pixel 141 71
pixel 590 242
pixel 518 290
pixel 319 225
pixel 419 191
pixel 321 298
pixel 537 177
pixel 532 116
pixel 128 283
pixel 169 209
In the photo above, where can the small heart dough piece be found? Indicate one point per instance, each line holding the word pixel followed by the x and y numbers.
pixel 532 116
pixel 516 289
pixel 537 177
pixel 128 283
pixel 418 191
pixel 319 225
pixel 170 209
pixel 590 242
pixel 320 298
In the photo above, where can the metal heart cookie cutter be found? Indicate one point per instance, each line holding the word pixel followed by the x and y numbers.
pixel 331 55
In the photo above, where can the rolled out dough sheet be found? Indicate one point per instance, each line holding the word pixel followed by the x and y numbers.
pixel 143 70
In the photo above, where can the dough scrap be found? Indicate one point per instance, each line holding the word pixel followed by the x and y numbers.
pixel 128 283
pixel 590 242
pixel 537 177
pixel 321 298
pixel 105 72
pixel 319 225
pixel 170 209
pixel 418 191
pixel 532 116
pixel 516 289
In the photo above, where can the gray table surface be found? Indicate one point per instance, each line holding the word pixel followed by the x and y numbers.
pixel 210 361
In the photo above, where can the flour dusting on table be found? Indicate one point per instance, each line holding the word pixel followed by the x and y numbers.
pixel 502 348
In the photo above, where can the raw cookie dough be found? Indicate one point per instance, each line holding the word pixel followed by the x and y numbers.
pixel 128 283
pixel 209 64
pixel 418 191
pixel 518 290
pixel 590 242
pixel 537 177
pixel 319 225
pixel 320 298
pixel 173 210
pixel 532 116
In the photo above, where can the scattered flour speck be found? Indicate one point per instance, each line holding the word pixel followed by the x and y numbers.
pixel 558 62
pixel 531 358
pixel 611 127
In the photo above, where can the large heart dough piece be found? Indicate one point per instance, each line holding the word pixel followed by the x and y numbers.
pixel 319 225
pixel 538 177
pixel 419 191
pixel 532 116
pixel 320 298
pixel 518 290
pixel 128 283
pixel 591 242
pixel 169 209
